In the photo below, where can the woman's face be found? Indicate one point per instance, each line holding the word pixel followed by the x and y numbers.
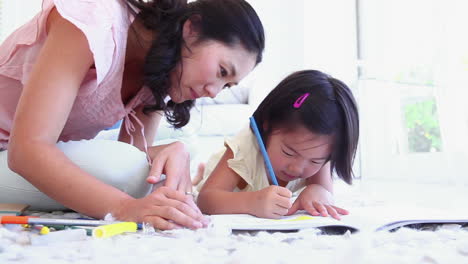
pixel 207 67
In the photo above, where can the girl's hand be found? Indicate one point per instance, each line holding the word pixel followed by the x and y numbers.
pixel 316 200
pixel 164 208
pixel 173 160
pixel 271 202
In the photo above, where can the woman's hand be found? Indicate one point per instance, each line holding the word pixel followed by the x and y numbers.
pixel 173 160
pixel 271 202
pixel 164 208
pixel 316 200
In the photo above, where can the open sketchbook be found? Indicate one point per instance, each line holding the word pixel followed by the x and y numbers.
pixel 302 220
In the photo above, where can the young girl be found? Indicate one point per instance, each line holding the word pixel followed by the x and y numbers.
pixel 310 126
pixel 80 66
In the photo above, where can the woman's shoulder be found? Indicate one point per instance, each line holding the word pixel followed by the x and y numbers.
pixel 97 14
pixel 105 25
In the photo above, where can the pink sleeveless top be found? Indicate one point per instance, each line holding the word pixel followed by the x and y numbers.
pixel 99 103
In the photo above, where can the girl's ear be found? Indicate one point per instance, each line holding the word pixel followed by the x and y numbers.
pixel 190 30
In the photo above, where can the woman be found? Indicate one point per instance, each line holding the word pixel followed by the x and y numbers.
pixel 80 66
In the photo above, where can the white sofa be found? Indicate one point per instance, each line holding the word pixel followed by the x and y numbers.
pixel 211 121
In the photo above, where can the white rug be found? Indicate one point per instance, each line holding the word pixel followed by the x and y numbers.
pixel 448 244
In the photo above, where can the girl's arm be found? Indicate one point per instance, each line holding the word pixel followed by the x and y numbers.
pixel 217 196
pixel 317 197
pixel 41 114
pixel 322 177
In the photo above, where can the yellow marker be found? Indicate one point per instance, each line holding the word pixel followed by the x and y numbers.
pixel 44 230
pixel 114 229
pixel 39 229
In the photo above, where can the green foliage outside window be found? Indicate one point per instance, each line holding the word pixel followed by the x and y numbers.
pixel 423 126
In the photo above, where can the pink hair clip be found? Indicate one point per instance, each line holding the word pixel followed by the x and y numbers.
pixel 300 100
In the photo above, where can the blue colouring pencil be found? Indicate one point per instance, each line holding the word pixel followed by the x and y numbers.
pixel 268 166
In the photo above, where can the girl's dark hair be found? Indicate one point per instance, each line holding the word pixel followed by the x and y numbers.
pixel 330 109
pixel 228 21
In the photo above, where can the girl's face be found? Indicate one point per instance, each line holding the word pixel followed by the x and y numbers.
pixel 297 154
pixel 207 67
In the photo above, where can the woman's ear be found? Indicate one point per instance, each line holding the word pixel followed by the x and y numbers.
pixel 190 30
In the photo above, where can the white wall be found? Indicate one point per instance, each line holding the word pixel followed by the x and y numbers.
pixel 14 13
pixel 302 34
pixel 299 34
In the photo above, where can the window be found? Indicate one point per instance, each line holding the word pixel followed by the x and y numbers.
pixel 413 78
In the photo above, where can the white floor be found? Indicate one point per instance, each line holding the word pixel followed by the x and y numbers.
pixel 370 201
pixel 448 244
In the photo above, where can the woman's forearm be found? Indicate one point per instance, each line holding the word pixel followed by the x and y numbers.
pixel 46 167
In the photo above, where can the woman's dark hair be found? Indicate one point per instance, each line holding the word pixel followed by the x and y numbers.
pixel 228 21
pixel 330 109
